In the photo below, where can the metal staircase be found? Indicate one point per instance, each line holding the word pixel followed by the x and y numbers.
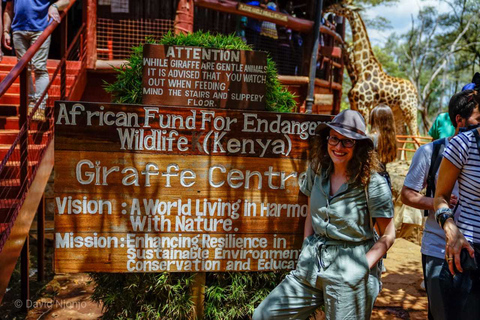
pixel 26 147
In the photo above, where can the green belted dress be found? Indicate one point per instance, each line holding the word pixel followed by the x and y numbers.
pixel 332 269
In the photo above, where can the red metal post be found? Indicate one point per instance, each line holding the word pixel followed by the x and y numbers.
pixel 22 125
pixel 81 46
pixel 110 49
pixel 184 17
pixel 41 239
pixel 24 274
pixel 90 9
pixel 63 51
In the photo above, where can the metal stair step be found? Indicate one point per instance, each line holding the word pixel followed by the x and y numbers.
pixel 8 62
pixel 15 87
pixel 34 151
pixel 7 207
pixel 11 122
pixel 9 188
pixel 14 98
pixel 9 110
pixel 34 136
pixel 70 78
pixel 12 169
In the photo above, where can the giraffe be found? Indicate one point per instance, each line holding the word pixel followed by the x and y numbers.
pixel 370 84
pixel 348 59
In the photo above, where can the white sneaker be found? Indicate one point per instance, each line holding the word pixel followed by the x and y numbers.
pixel 39 115
pixel 31 105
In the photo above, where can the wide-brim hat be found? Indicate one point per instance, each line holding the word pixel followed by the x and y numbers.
pixel 348 123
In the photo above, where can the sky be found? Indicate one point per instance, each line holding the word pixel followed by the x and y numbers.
pixel 400 17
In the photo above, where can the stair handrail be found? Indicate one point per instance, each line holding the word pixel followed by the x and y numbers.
pixel 21 141
pixel 55 73
pixel 23 62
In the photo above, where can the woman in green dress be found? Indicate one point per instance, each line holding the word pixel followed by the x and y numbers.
pixel 339 263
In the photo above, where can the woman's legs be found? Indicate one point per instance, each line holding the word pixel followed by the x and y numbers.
pixel 349 287
pixel 343 284
pixel 291 299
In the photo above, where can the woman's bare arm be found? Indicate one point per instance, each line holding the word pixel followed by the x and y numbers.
pixel 308 229
pixel 387 238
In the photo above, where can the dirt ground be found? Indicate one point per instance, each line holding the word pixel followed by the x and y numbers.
pixel 400 298
pixel 67 296
pixel 71 301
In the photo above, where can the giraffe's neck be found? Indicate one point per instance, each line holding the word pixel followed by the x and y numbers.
pixel 363 55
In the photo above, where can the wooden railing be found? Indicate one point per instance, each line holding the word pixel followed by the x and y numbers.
pixel 416 141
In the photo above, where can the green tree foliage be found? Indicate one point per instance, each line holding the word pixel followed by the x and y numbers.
pixel 374 3
pixel 439 54
pixel 128 87
pixel 362 3
pixel 467 57
pixel 168 295
pixel 379 23
pixel 389 65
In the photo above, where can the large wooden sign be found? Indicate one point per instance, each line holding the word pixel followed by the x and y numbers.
pixel 204 77
pixel 150 189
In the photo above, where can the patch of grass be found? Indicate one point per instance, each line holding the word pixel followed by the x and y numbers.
pixel 235 295
pixel 144 295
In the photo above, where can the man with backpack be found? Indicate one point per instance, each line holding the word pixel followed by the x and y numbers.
pixel 423 173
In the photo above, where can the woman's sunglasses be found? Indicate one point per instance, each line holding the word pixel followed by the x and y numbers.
pixel 346 143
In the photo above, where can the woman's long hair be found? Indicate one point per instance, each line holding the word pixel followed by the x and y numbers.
pixel 383 124
pixel 359 169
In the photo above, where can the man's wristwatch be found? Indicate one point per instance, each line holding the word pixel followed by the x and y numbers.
pixel 442 215
pixel 55 6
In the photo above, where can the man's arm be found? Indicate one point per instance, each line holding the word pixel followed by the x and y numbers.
pixel 417 200
pixel 455 241
pixel 53 10
pixel 414 199
pixel 62 4
pixel 7 24
pixel 416 180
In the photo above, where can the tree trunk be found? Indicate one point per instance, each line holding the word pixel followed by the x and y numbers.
pixel 426 122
